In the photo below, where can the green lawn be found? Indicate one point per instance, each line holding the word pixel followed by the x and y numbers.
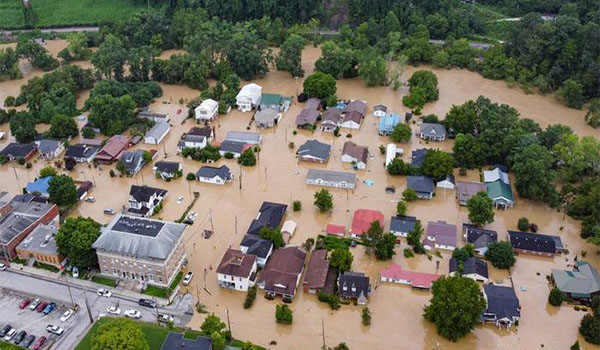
pixel 161 292
pixel 7 346
pixel 52 13
pixel 111 282
pixel 154 334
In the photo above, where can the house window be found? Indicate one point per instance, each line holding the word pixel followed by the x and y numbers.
pixel 124 274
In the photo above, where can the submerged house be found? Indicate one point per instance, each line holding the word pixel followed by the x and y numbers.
pixel 214 175
pixel 157 133
pixel 319 276
pixel 50 149
pixel 480 238
pixel 275 102
pixel 113 149
pixel 267 118
pixel 422 185
pixel 259 247
pixel 143 200
pixel 400 226
pixel 331 178
pixel 467 189
pixel 206 111
pixel 133 161
pixel 354 285
pixel 534 243
pixel 379 110
pixel 331 119
pixel 81 153
pixel 582 283
pixel 314 151
pixel 419 280
pixel 191 141
pixel 500 193
pixel 473 268
pixel 440 235
pixel 355 154
pixel 362 220
pixel 503 306
pixel 249 97
pixel 237 271
pixel 387 123
pixel 16 151
pixel 281 276
pixel 432 132
pixel 269 215
pixel 167 170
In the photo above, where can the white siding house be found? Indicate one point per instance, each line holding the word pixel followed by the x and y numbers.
pixel 237 270
pixel 207 110
pixel 158 132
pixel 248 97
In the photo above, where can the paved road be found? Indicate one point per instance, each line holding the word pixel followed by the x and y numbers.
pixel 73 29
pixel 58 292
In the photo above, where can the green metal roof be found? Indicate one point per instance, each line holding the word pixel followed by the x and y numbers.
pixel 499 189
pixel 271 99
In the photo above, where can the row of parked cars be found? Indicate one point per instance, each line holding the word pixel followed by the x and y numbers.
pixel 8 333
pixel 38 305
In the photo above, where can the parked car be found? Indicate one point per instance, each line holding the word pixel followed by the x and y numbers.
pixel 10 334
pixel 109 211
pixel 34 304
pixel 133 313
pixel 38 344
pixel 66 315
pixel 165 318
pixel 49 308
pixel 41 306
pixel 19 337
pixel 75 272
pixel 28 341
pixel 24 303
pixel 104 293
pixel 90 199
pixel 147 303
pixel 54 329
pixel 5 329
pixel 2 266
pixel 113 310
pixel 188 278
pixel 207 234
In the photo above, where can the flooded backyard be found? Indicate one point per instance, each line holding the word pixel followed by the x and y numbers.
pixel 279 177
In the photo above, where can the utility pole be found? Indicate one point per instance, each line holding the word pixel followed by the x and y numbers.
pixel 87 307
pixel 69 289
pixel 240 177
pixel 323 328
pixel 165 150
pixel 228 322
pixel 16 176
pixel 236 232
pixel 212 227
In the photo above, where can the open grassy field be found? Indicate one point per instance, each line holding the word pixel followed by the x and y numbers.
pixel 60 13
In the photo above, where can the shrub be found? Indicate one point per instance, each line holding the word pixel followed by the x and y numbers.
pixel 291 145
pixel 533 227
pixel 297 205
pixel 366 316
pixel 111 173
pixel 190 177
pixel 283 314
pixel 228 155
pixel 408 253
pixel 28 165
pixel 409 195
pixel 21 160
pixel 9 101
pixel 250 297
pixel 556 297
pixel 382 149
pixel 295 132
pixel 523 224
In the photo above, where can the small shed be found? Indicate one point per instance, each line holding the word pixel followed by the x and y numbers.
pixel 288 229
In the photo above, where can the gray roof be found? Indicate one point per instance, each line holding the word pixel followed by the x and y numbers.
pixel 210 171
pixel 266 115
pixel 479 237
pixel 232 146
pixel 131 160
pixel 40 240
pixel 433 129
pixel 418 156
pixel 167 167
pixel 307 116
pixel 314 149
pixel 331 175
pixel 244 136
pixel 140 238
pixel 583 279
pixel 380 108
pixel 144 193
pixel 353 280
pixel 256 245
pixel 420 183
pixel 176 341
pixel 81 151
pixel 158 130
pixel 16 150
pixel 25 211
pixel 193 138
pixel 48 146
pixel 402 223
pixel 470 266
pixel 501 301
pixel 356 106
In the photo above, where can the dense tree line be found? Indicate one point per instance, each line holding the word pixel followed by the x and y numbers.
pixel 9 64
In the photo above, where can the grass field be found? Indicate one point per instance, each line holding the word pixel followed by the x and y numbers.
pixel 60 13
pixel 111 282
pixel 154 334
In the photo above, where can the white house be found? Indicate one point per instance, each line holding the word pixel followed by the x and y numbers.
pixel 50 149
pixel 237 271
pixel 495 175
pixel 157 133
pixel 248 97
pixel 214 175
pixel 473 268
pixel 391 152
pixel 448 183
pixel 191 141
pixel 379 111
pixel 207 110
pixel 143 200
pixel 287 230
pixel 351 120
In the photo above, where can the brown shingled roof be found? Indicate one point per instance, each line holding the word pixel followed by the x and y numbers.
pixel 359 152
pixel 281 273
pixel 316 273
pixel 235 263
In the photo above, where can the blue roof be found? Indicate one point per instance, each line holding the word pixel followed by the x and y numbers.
pixel 40 185
pixel 388 122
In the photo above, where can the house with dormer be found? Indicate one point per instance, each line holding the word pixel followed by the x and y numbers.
pixel 143 200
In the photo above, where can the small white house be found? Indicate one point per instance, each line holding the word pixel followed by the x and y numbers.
pixel 207 110
pixel 379 111
pixel 237 271
pixel 191 141
pixel 448 183
pixel 214 175
pixel 249 97
pixel 391 152
pixel 158 132
pixel 287 230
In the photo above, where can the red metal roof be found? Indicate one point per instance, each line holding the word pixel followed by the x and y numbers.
pixel 363 218
pixel 417 279
pixel 336 230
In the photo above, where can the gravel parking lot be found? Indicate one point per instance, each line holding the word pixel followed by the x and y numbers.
pixel 31 321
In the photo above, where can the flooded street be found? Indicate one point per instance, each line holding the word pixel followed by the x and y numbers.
pixel 397 310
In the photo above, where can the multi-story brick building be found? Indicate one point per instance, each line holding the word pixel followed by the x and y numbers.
pixel 19 216
pixel 144 250
pixel 41 245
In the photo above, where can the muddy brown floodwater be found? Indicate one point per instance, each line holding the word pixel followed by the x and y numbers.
pixel 397 310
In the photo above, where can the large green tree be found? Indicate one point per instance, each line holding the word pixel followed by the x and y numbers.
pixel 501 255
pixel 401 133
pixel 62 191
pixel 467 151
pixel 438 164
pixel 62 127
pixel 323 200
pixel 455 307
pixel 481 209
pixel 372 69
pixel 341 259
pixel 110 58
pixel 22 127
pixel 337 61
pixel 119 334
pixel 320 85
pixel 289 58
pixel 112 115
pixel 533 168
pixel 75 238
pixel 463 119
